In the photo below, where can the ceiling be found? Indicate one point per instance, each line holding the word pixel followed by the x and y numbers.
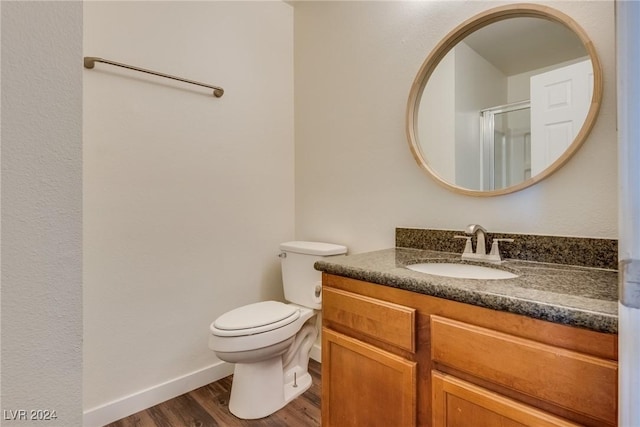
pixel 518 45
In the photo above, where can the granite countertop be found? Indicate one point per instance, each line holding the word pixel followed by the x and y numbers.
pixel 577 296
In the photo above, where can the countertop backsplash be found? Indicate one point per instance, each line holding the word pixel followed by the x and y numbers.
pixel 578 251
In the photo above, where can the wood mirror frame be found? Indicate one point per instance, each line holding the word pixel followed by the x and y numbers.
pixel 457 35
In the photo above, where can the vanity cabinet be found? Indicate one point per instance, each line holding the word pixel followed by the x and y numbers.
pixel 395 357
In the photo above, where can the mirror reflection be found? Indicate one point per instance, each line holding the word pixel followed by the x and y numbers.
pixel 504 104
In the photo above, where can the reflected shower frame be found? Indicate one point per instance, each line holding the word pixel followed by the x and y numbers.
pixel 488 144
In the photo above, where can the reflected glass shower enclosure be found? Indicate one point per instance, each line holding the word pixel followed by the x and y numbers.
pixel 505 145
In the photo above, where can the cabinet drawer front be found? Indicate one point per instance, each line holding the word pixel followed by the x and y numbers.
pixel 460 403
pixel 575 381
pixel 384 321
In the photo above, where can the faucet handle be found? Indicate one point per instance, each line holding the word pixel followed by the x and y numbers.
pixel 468 248
pixel 495 250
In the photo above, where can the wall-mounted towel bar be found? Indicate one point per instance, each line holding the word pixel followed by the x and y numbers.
pixel 90 62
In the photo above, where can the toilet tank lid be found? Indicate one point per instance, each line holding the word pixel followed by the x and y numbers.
pixel 313 248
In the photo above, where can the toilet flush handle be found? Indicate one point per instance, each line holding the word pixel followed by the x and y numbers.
pixel 318 293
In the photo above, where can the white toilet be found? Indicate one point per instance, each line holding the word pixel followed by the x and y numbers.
pixel 270 341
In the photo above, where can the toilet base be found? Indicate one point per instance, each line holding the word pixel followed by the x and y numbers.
pixel 294 389
pixel 258 389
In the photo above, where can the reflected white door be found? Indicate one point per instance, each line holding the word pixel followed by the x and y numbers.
pixel 560 101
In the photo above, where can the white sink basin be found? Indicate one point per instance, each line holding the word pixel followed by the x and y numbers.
pixel 461 271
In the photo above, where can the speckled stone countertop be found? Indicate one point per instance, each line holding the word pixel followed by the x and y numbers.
pixel 576 296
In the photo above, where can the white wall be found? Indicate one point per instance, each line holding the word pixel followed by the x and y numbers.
pixel 355 177
pixel 436 129
pixel 41 212
pixel 186 196
pixel 479 85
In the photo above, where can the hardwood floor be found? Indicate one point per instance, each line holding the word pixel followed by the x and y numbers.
pixel 208 407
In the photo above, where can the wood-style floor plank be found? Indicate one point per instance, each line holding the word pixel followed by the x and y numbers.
pixel 208 406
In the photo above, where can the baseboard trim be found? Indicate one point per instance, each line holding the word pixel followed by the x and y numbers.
pixel 316 353
pixel 128 405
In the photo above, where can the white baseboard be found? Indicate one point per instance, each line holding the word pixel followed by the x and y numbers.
pixel 128 405
pixel 316 353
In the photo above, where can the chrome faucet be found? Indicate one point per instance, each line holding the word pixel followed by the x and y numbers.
pixel 481 237
pixel 481 248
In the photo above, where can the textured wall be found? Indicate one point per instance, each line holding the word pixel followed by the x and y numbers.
pixel 41 212
pixel 355 177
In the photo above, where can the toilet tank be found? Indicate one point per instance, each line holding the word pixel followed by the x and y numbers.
pixel 299 278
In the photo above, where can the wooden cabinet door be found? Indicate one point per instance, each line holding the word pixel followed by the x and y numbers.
pixel 457 403
pixel 363 385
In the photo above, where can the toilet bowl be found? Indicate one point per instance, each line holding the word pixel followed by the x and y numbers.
pixel 263 382
pixel 270 341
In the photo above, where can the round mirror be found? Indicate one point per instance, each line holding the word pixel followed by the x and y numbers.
pixel 504 100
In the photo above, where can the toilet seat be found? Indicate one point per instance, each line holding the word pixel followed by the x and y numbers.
pixel 224 341
pixel 255 318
